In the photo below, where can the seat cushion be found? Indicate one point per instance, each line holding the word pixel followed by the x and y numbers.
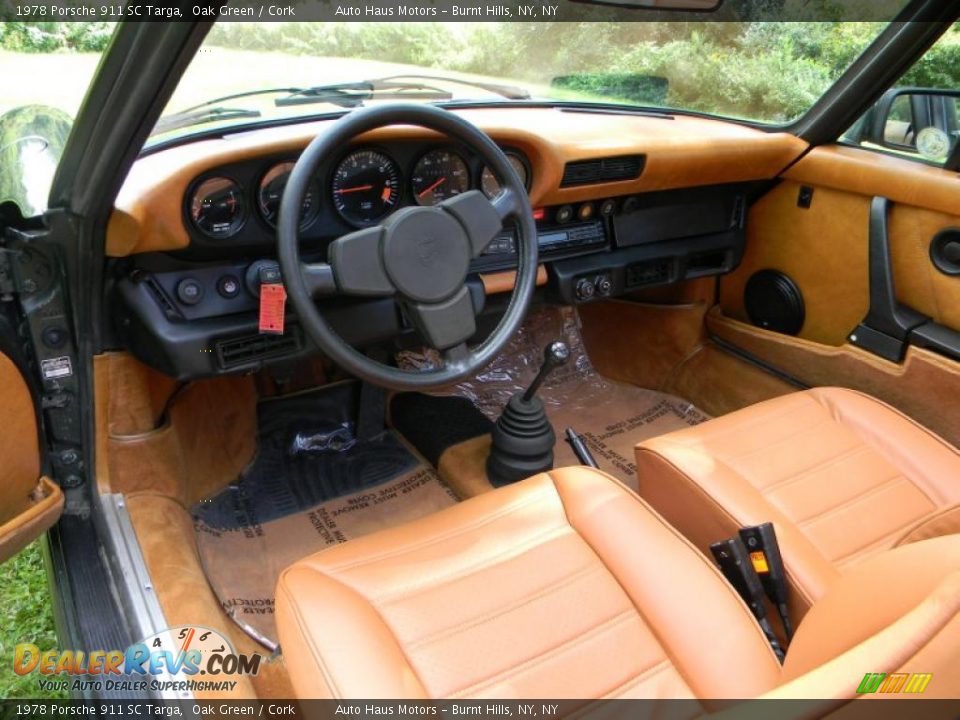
pixel 840 474
pixel 565 585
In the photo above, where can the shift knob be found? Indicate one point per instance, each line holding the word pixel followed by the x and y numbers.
pixel 555 354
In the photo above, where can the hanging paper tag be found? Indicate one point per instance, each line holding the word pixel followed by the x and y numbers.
pixel 273 298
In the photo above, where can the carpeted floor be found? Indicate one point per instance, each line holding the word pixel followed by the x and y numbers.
pixel 612 417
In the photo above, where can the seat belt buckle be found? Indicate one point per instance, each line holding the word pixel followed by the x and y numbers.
pixel 735 564
pixel 764 551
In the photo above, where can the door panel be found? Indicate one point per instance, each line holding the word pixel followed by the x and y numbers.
pixel 919 283
pixel 824 250
pixel 824 247
pixel 926 386
pixel 29 503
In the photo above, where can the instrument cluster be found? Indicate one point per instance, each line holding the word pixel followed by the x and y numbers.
pixel 360 189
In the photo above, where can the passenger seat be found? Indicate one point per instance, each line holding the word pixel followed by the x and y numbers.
pixel 840 474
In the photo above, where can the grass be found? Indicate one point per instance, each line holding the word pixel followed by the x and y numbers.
pixel 26 615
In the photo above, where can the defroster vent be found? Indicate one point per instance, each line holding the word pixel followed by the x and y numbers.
pixel 248 349
pixel 587 172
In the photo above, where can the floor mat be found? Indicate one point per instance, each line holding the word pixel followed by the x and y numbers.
pixel 612 417
pixel 291 501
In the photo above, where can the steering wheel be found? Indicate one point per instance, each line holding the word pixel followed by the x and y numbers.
pixel 418 255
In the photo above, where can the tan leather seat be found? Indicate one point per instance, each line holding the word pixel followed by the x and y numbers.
pixel 840 474
pixel 567 585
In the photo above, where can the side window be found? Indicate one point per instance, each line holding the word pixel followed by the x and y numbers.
pixel 918 118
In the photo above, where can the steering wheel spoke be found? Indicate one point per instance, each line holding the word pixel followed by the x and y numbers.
pixel 478 216
pixel 456 356
pixel 318 277
pixel 507 204
pixel 446 324
pixel 357 264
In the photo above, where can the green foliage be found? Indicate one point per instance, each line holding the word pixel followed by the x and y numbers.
pixel 768 71
pixel 940 67
pixel 45 37
pixel 25 616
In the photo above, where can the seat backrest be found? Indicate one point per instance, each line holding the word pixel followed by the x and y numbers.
pixel 897 613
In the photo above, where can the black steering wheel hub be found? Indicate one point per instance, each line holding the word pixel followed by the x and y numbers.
pixel 426 253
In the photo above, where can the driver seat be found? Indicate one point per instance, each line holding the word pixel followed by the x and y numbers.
pixel 568 585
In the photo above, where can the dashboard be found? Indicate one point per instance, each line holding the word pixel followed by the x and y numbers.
pixel 621 202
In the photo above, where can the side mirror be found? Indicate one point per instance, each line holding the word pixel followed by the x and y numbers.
pixel 914 121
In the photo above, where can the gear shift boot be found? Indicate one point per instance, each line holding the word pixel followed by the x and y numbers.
pixel 523 437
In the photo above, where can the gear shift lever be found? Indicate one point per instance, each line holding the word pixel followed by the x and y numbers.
pixel 523 437
pixel 554 355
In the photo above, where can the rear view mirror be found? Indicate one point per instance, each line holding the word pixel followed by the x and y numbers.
pixel 915 121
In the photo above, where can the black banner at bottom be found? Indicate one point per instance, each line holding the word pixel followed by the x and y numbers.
pixel 876 707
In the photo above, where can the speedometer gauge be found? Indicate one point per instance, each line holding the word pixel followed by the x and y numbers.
pixel 217 208
pixel 438 175
pixel 366 187
pixel 491 184
pixel 270 193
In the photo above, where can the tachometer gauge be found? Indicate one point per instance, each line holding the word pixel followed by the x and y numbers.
pixel 217 207
pixel 490 183
pixel 270 194
pixel 366 187
pixel 438 175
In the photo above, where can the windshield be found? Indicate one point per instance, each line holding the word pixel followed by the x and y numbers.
pixel 770 72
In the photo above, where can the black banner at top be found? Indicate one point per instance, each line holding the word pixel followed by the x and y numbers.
pixel 469 10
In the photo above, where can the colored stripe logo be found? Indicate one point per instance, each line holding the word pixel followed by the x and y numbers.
pixel 912 683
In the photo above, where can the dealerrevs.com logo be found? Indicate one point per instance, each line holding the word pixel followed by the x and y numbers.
pixel 180 659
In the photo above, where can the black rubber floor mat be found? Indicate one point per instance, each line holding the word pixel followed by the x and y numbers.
pixel 432 423
pixel 307 454
pixel 312 485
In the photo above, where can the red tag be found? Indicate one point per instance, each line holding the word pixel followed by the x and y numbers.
pixel 273 299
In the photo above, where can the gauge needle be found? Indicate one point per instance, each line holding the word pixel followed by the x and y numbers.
pixel 356 188
pixel 433 187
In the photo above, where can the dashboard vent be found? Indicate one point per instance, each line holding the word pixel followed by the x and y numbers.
pixel 587 172
pixel 653 272
pixel 253 348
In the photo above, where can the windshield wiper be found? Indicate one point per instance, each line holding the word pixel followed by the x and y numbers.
pixel 196 117
pixel 353 94
pixel 510 92
pixel 346 95
pixel 407 87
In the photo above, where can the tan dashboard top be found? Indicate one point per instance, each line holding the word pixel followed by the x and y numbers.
pixel 680 151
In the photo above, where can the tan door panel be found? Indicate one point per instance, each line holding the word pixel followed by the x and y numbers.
pixel 824 248
pixel 29 504
pixel 926 387
pixel 919 284
pixel 44 508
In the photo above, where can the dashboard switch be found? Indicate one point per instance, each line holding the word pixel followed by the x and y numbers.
pixel 228 286
pixel 564 214
pixel 190 291
pixel 585 289
pixel 604 285
pixel 262 272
